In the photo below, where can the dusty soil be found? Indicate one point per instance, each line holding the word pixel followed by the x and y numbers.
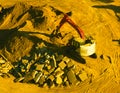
pixel 25 24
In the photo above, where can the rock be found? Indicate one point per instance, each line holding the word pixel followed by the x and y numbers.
pixel 65 79
pixel 42 80
pixel 51 77
pixel 59 80
pixel 71 77
pixel 67 83
pixel 47 56
pixel 46 61
pixel 59 73
pixel 23 69
pixel 58 69
pixel 5 67
pixel 5 75
pixel 29 65
pixel 51 70
pixel 35 56
pixel 19 79
pixel 2 61
pixel 50 83
pixel 66 59
pixel 59 57
pixel 25 61
pixel 4 70
pixel 53 62
pixel 39 55
pixel 45 72
pixel 49 66
pixel 83 76
pixel 34 73
pixel 76 69
pixel 37 77
pixel 70 64
pixel 39 67
pixel 62 65
pixel 45 85
pixel 29 76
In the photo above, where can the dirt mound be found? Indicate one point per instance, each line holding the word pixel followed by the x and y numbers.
pixel 21 44
pixel 12 21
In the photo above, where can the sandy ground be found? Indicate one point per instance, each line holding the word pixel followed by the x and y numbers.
pixel 98 19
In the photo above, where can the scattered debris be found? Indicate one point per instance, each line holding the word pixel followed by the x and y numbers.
pixel 83 76
pixel 43 68
pixel 5 66
pixel 62 65
pixel 71 77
